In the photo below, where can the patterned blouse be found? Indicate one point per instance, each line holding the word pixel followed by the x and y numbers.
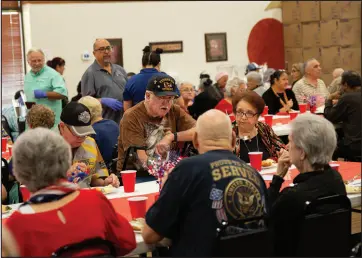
pixel 271 141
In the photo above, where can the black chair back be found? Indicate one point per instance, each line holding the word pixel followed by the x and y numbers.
pixel 245 244
pixel 112 165
pixel 326 229
pixel 6 126
pixel 131 151
pixel 88 244
pixel 253 244
pixel 5 172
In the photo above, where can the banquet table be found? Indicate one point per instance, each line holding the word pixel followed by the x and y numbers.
pixel 118 198
pixel 281 125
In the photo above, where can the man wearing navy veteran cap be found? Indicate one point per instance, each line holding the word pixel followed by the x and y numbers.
pixel 154 123
pixel 75 127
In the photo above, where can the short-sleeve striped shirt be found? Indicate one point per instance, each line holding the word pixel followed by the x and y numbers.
pixel 303 89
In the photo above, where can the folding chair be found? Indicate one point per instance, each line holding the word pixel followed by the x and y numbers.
pixel 6 126
pixel 253 243
pixel 326 229
pixel 89 244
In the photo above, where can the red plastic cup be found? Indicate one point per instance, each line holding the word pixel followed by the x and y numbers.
pixel 313 109
pixel 335 166
pixel 265 111
pixel 129 180
pixel 293 115
pixel 303 108
pixel 157 196
pixel 308 106
pixel 269 120
pixel 10 148
pixel 256 159
pixel 138 206
pixel 24 192
pixel 4 142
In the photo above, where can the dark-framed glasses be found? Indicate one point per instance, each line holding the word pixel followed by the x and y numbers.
pixel 248 114
pixel 102 49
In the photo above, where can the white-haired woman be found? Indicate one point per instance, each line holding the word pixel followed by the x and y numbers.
pixel 255 83
pixel 107 131
pixel 312 141
pixel 57 213
pixel 232 87
pixel 186 99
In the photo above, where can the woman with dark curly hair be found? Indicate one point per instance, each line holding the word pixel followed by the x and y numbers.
pixel 251 134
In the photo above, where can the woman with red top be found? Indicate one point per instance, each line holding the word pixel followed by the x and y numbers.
pixel 225 105
pixel 58 213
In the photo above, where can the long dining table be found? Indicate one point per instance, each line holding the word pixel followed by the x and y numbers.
pixel 118 197
pixel 281 125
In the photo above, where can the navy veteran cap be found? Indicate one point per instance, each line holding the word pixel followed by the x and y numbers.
pixel 162 85
pixel 77 116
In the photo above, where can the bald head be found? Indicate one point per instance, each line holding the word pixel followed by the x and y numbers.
pixel 99 42
pixel 102 52
pixel 337 72
pixel 213 129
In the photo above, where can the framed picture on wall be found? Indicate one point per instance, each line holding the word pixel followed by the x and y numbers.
pixel 117 53
pixel 167 47
pixel 216 47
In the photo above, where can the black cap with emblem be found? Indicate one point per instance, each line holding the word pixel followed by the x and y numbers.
pixel 162 85
pixel 77 116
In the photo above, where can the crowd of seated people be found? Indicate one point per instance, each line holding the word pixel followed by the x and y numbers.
pixel 215 126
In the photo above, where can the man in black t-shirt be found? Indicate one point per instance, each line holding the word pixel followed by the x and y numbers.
pixel 204 190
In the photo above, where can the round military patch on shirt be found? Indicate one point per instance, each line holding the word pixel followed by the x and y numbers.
pixel 242 199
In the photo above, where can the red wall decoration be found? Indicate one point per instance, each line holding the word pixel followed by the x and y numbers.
pixel 265 43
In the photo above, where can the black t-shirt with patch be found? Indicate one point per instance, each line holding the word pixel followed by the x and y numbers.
pixel 200 192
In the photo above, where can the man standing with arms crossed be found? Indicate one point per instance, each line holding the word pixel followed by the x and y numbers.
pixel 105 81
pixel 43 85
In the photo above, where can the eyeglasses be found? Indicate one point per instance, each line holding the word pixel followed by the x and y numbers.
pixel 187 90
pixel 103 49
pixel 248 114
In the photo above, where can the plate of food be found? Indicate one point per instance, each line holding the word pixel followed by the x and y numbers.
pixel 137 224
pixel 5 209
pixel 353 186
pixel 105 189
pixel 269 163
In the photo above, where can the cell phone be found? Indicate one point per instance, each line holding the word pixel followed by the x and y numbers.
pixel 29 104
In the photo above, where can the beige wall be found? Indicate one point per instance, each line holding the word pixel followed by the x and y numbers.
pixel 67 30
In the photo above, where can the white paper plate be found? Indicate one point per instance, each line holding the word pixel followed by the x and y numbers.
pixel 105 190
pixel 275 165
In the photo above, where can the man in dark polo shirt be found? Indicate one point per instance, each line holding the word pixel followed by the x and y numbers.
pixel 105 81
pixel 348 111
pixel 204 190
